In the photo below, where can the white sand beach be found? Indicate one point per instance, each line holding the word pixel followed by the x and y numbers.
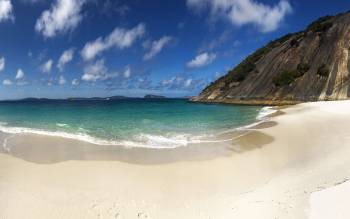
pixel 296 167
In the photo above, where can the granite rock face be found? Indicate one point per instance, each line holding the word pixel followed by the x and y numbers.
pixel 310 65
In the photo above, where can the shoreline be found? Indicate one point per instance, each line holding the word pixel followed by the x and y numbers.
pixel 43 149
pixel 262 116
pixel 270 172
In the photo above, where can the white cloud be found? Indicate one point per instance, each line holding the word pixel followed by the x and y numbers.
pixel 7 82
pixel 120 38
pixel 179 83
pixel 157 46
pixel 61 80
pixel 241 12
pixel 20 74
pixel 168 82
pixel 20 78
pixel 2 63
pixel 47 66
pixel 95 71
pixel 65 58
pixel 75 82
pixel 201 60
pixel 188 82
pixel 6 10
pixel 63 16
pixel 127 72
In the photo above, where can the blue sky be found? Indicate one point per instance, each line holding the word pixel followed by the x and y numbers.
pixel 69 48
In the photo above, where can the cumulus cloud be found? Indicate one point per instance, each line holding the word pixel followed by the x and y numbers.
pixel 2 63
pixel 75 82
pixel 127 72
pixel 63 16
pixel 61 80
pixel 65 58
pixel 6 10
pixel 180 82
pixel 241 12
pixel 188 82
pixel 7 82
pixel 167 82
pixel 47 66
pixel 156 47
pixel 19 74
pixel 201 60
pixel 95 71
pixel 20 78
pixel 120 38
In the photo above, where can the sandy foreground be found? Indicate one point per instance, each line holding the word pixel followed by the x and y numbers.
pixel 294 166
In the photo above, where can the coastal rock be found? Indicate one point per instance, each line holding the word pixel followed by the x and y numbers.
pixel 310 65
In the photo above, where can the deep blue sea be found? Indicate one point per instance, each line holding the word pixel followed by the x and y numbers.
pixel 156 123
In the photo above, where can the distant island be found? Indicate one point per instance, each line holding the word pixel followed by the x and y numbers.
pixel 101 98
pixel 151 96
pixel 74 98
pixel 309 65
pixel 117 97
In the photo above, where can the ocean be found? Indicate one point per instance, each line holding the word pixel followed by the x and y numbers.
pixel 150 123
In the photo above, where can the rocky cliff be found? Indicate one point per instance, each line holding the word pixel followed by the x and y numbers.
pixel 310 65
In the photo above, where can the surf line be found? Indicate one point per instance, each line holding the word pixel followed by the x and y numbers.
pixel 5 143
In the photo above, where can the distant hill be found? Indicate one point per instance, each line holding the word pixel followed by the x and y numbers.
pixel 151 96
pixel 100 98
pixel 33 99
pixel 310 65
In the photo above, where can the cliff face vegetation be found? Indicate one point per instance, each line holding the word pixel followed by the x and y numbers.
pixel 310 65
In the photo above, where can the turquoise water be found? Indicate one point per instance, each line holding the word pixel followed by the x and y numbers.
pixel 131 122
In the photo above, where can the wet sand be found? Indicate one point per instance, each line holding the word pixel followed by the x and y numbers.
pixel 270 172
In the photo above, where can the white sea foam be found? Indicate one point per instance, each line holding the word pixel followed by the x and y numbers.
pixel 62 125
pixel 170 141
pixel 265 112
pixel 142 140
pixel 263 116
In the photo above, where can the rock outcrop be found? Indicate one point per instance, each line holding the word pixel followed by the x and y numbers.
pixel 310 65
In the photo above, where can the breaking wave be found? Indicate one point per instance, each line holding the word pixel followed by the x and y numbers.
pixel 140 141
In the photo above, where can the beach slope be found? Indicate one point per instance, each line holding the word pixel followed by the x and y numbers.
pixel 283 169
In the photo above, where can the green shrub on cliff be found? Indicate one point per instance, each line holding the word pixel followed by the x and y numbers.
pixel 323 70
pixel 242 70
pixel 321 25
pixel 283 38
pixel 303 68
pixel 285 78
pixel 294 43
